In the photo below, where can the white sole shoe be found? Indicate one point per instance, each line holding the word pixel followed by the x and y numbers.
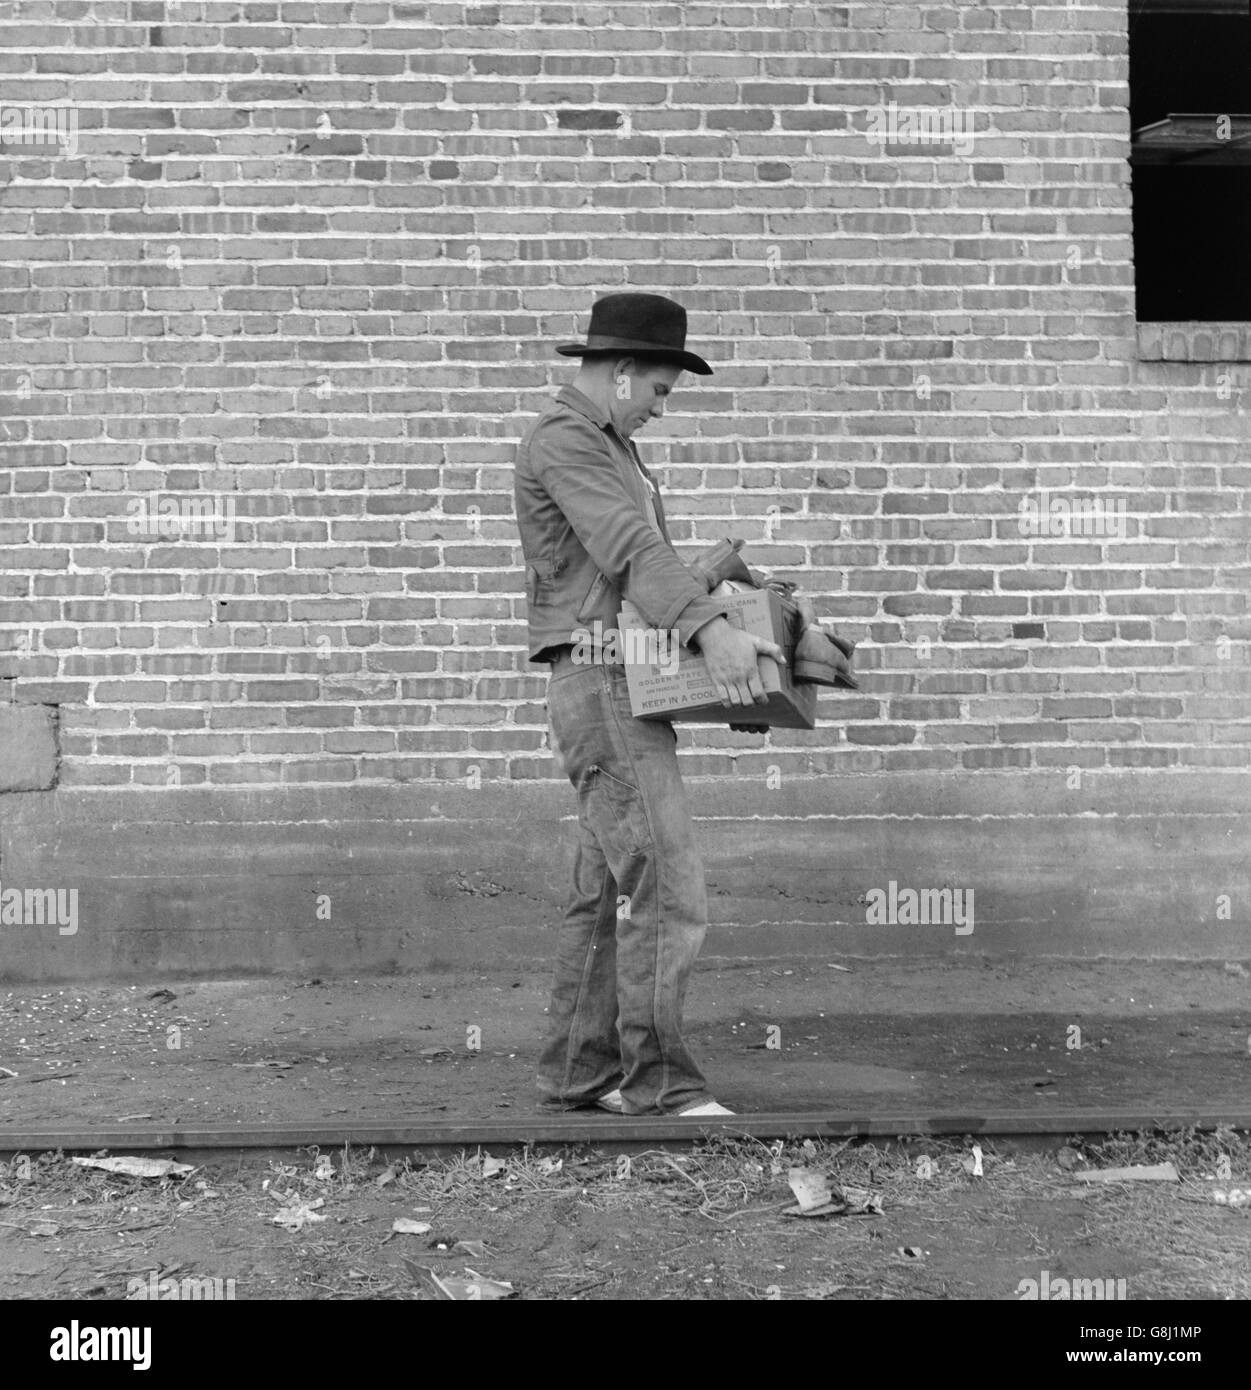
pixel 612 1102
pixel 708 1108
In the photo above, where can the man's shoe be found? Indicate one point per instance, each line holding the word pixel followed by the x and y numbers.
pixel 614 1104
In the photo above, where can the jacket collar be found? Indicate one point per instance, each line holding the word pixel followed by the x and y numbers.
pixel 575 400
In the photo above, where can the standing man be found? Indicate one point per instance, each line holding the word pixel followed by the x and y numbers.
pixel 593 532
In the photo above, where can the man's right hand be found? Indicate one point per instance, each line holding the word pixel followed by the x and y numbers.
pixel 730 655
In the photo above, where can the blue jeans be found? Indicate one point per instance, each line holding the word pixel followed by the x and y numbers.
pixel 639 909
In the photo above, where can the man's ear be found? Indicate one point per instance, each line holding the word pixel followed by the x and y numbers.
pixel 623 378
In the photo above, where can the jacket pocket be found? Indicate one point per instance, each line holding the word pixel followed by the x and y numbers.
pixel 538 573
pixel 599 586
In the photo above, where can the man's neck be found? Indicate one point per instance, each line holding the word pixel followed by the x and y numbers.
pixel 597 391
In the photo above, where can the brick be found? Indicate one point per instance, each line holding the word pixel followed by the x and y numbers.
pixel 589 119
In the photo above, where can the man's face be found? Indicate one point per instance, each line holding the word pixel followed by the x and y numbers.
pixel 639 393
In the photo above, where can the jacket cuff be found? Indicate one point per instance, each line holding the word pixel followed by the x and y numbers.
pixel 698 613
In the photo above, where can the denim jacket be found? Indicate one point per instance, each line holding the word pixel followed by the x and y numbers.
pixel 582 510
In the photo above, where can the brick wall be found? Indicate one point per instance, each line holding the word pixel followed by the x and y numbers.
pixel 306 262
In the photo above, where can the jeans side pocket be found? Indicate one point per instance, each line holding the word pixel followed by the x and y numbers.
pixel 616 812
pixel 553 744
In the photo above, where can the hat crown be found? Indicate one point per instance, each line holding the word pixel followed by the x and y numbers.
pixel 630 323
pixel 645 317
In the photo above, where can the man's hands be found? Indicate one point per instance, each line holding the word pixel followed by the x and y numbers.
pixel 730 655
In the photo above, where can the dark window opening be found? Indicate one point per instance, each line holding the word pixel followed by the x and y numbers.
pixel 1190 111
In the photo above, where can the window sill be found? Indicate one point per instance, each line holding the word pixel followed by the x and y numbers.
pixel 1201 341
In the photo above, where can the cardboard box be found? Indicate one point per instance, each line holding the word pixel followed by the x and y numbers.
pixel 687 695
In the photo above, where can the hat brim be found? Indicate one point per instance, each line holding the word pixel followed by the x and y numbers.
pixel 624 347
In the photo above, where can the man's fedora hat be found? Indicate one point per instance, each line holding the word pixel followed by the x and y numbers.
pixel 642 323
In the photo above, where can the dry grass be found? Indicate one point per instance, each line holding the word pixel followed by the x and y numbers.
pixel 707 1219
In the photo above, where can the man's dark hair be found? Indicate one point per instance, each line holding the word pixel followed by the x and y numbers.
pixel 644 359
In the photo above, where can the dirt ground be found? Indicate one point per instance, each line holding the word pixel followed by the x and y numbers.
pixel 876 1037
pixel 587 1223
pixel 707 1223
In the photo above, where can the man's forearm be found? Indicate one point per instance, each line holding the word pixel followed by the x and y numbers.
pixel 696 618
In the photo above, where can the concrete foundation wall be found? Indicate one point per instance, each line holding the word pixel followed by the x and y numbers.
pixel 229 881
